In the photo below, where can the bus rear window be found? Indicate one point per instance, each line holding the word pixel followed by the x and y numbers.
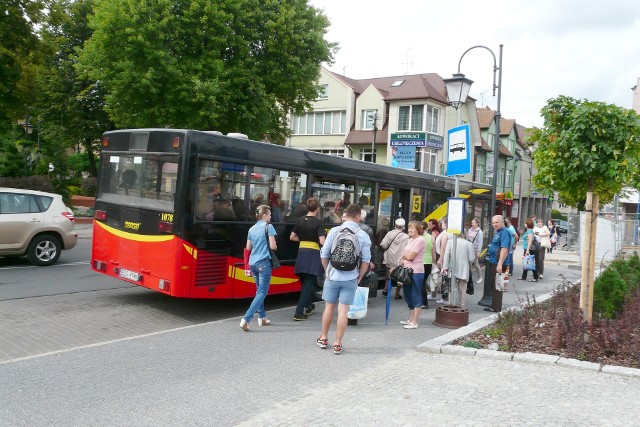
pixel 139 180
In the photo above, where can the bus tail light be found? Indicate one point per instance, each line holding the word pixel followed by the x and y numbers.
pixel 100 215
pixel 175 143
pixel 165 285
pixel 165 227
pixel 105 141
pixel 100 266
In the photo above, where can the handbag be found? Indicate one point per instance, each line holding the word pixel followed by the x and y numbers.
pixel 402 275
pixel 470 288
pixel 275 262
pixel 534 245
pixel 545 242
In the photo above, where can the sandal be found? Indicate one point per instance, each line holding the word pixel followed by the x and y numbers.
pixel 404 322
pixel 337 349
pixel 322 343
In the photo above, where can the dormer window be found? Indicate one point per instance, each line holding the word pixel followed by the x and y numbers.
pixel 397 83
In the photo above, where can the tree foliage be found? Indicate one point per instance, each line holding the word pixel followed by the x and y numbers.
pixel 228 65
pixel 72 105
pixel 586 146
pixel 18 54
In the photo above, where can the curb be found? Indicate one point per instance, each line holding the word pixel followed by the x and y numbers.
pixel 442 345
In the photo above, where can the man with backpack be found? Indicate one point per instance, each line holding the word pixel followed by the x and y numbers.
pixel 345 257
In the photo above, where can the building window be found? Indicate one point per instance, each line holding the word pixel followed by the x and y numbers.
pixel 324 92
pixel 500 176
pixel 491 140
pixel 411 118
pixel 433 115
pixel 508 181
pixel 368 119
pixel 426 160
pixel 365 154
pixel 337 152
pixel 510 147
pixel 319 123
pixel 480 173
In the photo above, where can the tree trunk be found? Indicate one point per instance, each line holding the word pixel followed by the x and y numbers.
pixel 589 254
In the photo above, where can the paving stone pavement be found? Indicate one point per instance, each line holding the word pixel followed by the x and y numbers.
pixel 463 391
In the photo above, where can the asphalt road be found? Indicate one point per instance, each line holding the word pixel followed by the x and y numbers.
pixel 129 356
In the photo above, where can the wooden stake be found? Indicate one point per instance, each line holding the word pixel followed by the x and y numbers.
pixel 592 249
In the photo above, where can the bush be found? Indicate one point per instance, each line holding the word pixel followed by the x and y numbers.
pixel 36 182
pixel 609 292
pixel 89 186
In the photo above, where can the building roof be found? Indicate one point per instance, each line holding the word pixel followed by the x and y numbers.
pixel 485 117
pixel 356 137
pixel 413 86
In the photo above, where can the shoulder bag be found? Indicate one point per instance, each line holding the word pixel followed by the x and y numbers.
pixel 275 262
pixel 402 275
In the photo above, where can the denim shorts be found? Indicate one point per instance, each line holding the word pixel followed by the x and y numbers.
pixel 343 292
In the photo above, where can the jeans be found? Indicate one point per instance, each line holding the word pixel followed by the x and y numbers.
pixel 308 282
pixel 413 291
pixel 262 275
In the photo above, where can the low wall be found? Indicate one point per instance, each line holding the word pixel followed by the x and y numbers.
pixel 87 202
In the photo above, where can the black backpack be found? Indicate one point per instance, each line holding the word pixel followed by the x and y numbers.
pixel 345 251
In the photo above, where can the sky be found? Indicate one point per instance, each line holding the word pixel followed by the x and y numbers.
pixel 578 48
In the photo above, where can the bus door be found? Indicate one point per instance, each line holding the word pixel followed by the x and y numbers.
pixel 393 203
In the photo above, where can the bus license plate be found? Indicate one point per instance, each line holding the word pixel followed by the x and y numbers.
pixel 128 274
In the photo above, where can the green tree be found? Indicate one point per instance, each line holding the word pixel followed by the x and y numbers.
pixel 586 150
pixel 586 146
pixel 18 54
pixel 228 65
pixel 72 105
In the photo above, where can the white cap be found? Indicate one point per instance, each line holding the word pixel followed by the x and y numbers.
pixel 400 222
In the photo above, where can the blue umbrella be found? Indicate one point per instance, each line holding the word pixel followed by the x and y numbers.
pixel 386 316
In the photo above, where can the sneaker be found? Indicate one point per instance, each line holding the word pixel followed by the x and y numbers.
pixel 322 343
pixel 423 307
pixel 404 322
pixel 540 276
pixel 300 317
pixel 442 301
pixel 411 326
pixel 308 311
pixel 430 298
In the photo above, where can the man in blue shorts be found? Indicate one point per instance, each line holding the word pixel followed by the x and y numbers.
pixel 340 284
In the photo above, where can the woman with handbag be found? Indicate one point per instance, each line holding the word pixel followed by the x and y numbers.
pixel 541 233
pixel 261 243
pixel 412 257
pixel 531 247
pixel 393 246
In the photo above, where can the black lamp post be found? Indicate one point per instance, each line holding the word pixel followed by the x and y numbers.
pixel 497 71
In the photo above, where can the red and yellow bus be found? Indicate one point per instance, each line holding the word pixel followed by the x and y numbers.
pixel 174 206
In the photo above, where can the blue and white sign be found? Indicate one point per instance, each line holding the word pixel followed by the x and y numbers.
pixel 459 151
pixel 403 157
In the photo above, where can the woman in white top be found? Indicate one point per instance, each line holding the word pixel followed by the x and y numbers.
pixel 476 237
pixel 541 232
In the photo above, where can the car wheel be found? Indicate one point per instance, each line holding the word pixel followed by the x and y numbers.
pixel 44 250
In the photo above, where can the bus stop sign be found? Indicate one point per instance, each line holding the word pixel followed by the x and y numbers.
pixel 458 151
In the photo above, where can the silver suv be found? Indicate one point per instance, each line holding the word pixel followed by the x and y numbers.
pixel 35 224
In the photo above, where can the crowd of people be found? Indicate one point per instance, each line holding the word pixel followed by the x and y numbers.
pixel 440 262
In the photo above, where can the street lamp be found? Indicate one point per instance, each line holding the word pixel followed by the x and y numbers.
pixel 457 84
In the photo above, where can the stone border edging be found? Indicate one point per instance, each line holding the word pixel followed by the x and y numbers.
pixel 441 345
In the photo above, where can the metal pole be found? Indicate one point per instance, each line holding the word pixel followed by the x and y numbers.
pixel 373 142
pixel 488 292
pixel 453 293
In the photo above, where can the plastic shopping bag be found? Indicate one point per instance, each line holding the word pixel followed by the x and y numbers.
pixel 529 262
pixel 358 309
pixel 500 282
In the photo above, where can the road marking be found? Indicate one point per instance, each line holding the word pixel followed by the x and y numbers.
pixel 17 267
